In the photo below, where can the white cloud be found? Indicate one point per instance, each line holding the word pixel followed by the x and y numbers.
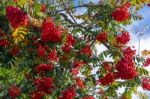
pixel 144 42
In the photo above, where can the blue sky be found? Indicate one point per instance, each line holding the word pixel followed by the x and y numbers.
pixel 138 26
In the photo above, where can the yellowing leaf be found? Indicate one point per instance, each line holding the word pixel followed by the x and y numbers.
pixel 15 33
pixel 117 58
pixel 21 2
pixel 145 53
pixel 18 34
pixel 138 4
pixel 21 36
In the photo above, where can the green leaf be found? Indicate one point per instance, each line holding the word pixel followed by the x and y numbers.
pixel 142 71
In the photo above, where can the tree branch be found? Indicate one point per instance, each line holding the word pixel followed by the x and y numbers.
pixel 66 18
pixel 68 11
pixel 80 6
pixel 72 23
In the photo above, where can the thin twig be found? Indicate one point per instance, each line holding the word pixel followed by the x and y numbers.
pixel 66 18
pixel 68 11
pixel 80 6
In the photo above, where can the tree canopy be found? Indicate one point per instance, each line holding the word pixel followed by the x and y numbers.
pixel 48 50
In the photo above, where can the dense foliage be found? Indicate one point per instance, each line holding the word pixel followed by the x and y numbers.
pixel 48 50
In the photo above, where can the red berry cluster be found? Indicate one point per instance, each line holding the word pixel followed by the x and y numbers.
pixel 52 56
pixel 43 67
pixel 126 69
pixel 86 51
pixel 102 37
pixel 75 71
pixel 69 93
pixel 43 8
pixel 88 97
pixel 4 43
pixel 123 38
pixel 44 85
pixel 122 13
pixel 14 51
pixel 14 92
pixel 107 79
pixel 76 67
pixel 106 66
pixel 147 62
pixel 37 95
pixel 129 53
pixel 16 17
pixel 66 48
pixel 41 50
pixel 50 32
pixel 146 83
pixel 79 83
pixel 77 64
pixel 70 41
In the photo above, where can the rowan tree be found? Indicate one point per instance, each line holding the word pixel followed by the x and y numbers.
pixel 48 50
